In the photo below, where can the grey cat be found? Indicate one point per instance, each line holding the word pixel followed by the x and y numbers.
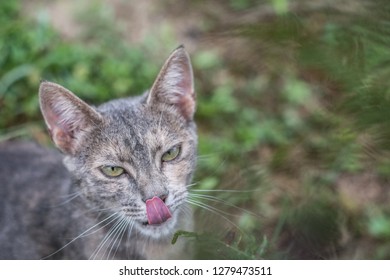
pixel 123 193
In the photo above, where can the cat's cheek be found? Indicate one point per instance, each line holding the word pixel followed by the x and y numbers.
pixel 177 174
pixel 107 193
pixel 113 185
pixel 116 188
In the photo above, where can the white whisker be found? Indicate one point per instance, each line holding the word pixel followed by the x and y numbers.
pixel 112 231
pixel 125 226
pixel 191 185
pixel 213 210
pixel 68 198
pixel 130 229
pixel 227 191
pixel 219 200
pixel 81 235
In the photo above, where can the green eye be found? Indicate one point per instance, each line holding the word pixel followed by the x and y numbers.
pixel 171 154
pixel 112 171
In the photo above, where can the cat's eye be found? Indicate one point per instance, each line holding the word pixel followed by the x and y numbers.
pixel 171 154
pixel 112 171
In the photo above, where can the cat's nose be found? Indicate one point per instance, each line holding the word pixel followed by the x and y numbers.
pixel 162 196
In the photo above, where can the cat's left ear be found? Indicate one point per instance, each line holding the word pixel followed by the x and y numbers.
pixel 68 118
pixel 175 85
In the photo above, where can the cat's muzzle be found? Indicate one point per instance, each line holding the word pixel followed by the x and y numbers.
pixel 157 211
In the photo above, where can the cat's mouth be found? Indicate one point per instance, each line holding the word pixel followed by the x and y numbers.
pixel 156 211
pixel 147 225
pixel 159 220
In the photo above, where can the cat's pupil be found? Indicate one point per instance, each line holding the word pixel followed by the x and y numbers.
pixel 112 171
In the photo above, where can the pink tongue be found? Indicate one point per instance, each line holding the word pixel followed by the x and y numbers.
pixel 157 211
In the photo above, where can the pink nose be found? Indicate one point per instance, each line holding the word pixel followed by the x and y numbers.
pixel 157 211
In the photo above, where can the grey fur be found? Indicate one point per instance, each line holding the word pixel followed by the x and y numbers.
pixel 78 212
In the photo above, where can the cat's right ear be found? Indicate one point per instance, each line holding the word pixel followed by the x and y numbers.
pixel 67 117
pixel 174 85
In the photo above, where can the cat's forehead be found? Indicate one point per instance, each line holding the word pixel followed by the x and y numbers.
pixel 130 126
pixel 133 114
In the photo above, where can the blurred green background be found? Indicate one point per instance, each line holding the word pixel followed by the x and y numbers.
pixel 293 108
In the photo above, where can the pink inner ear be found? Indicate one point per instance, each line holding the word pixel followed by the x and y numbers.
pixel 60 131
pixel 66 115
pixel 174 85
pixel 187 106
pixel 157 211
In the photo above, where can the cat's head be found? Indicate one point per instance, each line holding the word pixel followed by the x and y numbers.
pixel 133 156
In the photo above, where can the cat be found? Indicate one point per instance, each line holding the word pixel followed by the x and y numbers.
pixel 121 191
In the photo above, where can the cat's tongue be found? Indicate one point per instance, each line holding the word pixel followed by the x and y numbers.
pixel 157 211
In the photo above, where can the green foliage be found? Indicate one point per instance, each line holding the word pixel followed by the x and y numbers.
pixel 103 68
pixel 379 226
pixel 303 99
pixel 313 229
pixel 211 247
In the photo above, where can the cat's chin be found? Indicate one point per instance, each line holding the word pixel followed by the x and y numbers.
pixel 160 231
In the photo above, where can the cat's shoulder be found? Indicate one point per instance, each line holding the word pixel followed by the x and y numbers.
pixel 22 149
pixel 29 162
